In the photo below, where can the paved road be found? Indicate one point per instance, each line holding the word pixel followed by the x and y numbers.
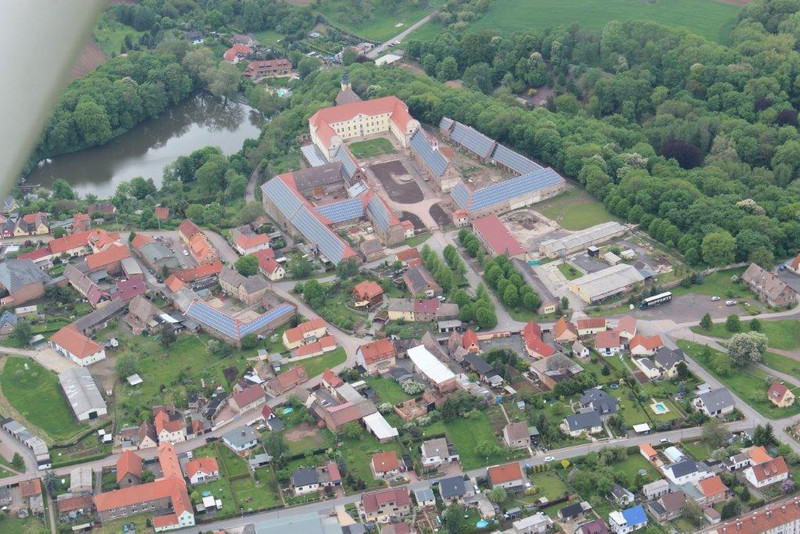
pixel 375 52
pixel 250 192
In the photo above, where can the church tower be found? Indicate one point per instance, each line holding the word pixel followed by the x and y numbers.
pixel 346 83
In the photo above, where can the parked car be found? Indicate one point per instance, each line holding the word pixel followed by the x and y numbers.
pixel 664 440
pixel 715 298
pixel 549 458
pixel 730 303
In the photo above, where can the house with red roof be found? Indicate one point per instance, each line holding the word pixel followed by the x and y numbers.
pixel 713 490
pixel 161 213
pixel 129 469
pixel 385 465
pixel 246 241
pixel 32 224
pixel 248 398
pixel 80 223
pixel 127 290
pixel 170 427
pixel 109 259
pixel 188 229
pixel 496 238
pixel 608 343
pixel 564 331
pixel 409 257
pixel 377 356
pixel 645 345
pixel 331 127
pixel 200 470
pixel 258 69
pixel 316 348
pixel 780 395
pixel 70 343
pixel 794 265
pixel 508 476
pixel 236 53
pixel 303 333
pixel 470 341
pixel 590 326
pixel 200 272
pixel 534 344
pixel 331 381
pixel 287 380
pixel 767 473
pixel 367 294
pixel 382 506
pixel 626 328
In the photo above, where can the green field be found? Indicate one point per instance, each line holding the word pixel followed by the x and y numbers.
pixel 417 240
pixel 388 390
pixel 631 466
pixel 110 35
pixel 574 210
pixel 719 284
pixel 378 22
pixel 36 394
pixel 317 365
pixel 707 18
pixel 268 37
pixel 783 334
pixel 371 148
pixel 570 272
pixel 550 485
pixel 253 496
pixel 749 384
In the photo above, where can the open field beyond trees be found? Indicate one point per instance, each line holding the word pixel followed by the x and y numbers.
pixel 378 21
pixel 783 334
pixel 575 210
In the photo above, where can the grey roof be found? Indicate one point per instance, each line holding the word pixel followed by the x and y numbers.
pixel 667 358
pixel 570 511
pixel 17 273
pixel 251 284
pixel 310 523
pixel 583 420
pixel 239 437
pixel 343 156
pixel 452 487
pixel 503 191
pixel 155 252
pixel 305 476
pixel 683 468
pixel 8 317
pixel 115 307
pixel 424 494
pixel 400 305
pixel 328 174
pixel 81 390
pixel 599 401
pixel 428 153
pixel 419 278
pixel 514 160
pixel 606 281
pixel 478 364
pixel 446 123
pixel 717 399
pixel 131 266
pixel 472 140
pixel 313 155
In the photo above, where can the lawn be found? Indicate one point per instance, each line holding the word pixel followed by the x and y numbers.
pixel 783 334
pixel 376 21
pixel 317 365
pixel 782 364
pixel 418 239
pixel 570 272
pixel 749 384
pixel 700 450
pixel 253 496
pixel 371 148
pixel 232 465
pixel 719 284
pixel 110 35
pixel 357 455
pixel 388 390
pixel 221 490
pixel 268 37
pixel 631 466
pixel 466 434
pixel 707 18
pixel 576 209
pixel 36 394
pixel 550 485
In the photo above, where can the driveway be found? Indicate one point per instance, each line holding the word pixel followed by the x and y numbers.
pixel 226 252
pixel 46 357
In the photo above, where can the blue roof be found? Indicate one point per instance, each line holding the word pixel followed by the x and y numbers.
pixel 313 155
pixel 379 212
pixel 8 318
pixel 446 123
pixel 347 160
pixel 472 140
pixel 433 159
pixel 506 190
pixel 229 326
pixel 461 194
pixel 635 515
pixel 514 160
pixel 344 210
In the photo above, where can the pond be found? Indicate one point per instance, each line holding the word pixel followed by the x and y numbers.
pixel 146 149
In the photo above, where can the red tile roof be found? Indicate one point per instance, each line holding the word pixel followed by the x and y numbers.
pixel 324 118
pixel 767 519
pixel 236 49
pixel 626 324
pixel 173 283
pixel 128 289
pixel 776 466
pixel 532 335
pixel 164 422
pixel 187 229
pixel 321 345
pixel 795 264
pixel 469 339
pixel 777 391
pixel 161 213
pixel 408 255
pixel 30 488
pixel 379 350
pixel 426 305
pixel 140 240
pixel 497 236
pixel 648 450
pixel 759 455
pixel 591 322
pixel 201 271
pixel 711 487
pixel 650 343
pixel 168 460
pixel 368 289
pixel 297 333
pixel 372 501
pixel 34 255
pixel 206 465
pixel 331 378
pixel 607 340
pixel 74 342
pixel 501 474
pixel 69 242
pixel 129 463
pixel 562 326
pixel 249 395
pixel 269 265
pixel 107 257
pixel 251 241
pixel 70 504
pixel 384 462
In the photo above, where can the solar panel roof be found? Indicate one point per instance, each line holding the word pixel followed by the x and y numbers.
pixel 345 210
pixel 434 160
pixel 472 140
pixel 514 160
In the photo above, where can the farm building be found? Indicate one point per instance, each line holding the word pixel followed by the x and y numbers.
pixel 82 394
pixel 607 283
pixel 596 235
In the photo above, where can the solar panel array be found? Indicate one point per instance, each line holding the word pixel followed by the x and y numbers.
pixel 265 318
pixel 380 213
pixel 356 189
pixel 313 155
pixel 514 160
pixel 472 140
pixel 461 194
pixel 504 191
pixel 433 159
pixel 345 210
pixel 227 325
pixel 446 123
pixel 293 208
pixel 347 161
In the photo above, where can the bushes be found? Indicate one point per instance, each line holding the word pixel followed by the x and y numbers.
pixel 509 285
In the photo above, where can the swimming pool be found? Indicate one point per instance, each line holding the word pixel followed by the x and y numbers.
pixel 659 408
pixel 482 523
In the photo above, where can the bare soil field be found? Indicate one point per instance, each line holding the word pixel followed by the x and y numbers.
pixel 91 57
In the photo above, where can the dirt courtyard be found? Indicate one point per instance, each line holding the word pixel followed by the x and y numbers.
pixel 305 431
pixel 440 215
pixel 416 221
pixel 390 175
pixel 527 226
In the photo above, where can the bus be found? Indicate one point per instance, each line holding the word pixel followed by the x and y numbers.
pixel 655 300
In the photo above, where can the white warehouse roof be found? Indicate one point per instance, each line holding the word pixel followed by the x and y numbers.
pixel 429 365
pixel 379 426
pixel 607 282
pixel 82 392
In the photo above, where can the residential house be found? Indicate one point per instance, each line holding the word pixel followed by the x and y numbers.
pixel 31 492
pixel 475 364
pixel 385 465
pixel 516 435
pixel 667 361
pixel 454 489
pixel 385 505
pixel 304 333
pixel 161 213
pixel 564 331
pixel 715 403
pixel 371 249
pixel 329 475
pixel 668 507
pixel 420 282
pixel 608 343
pixel 23 280
pixel 202 250
pixel 649 453
pixel 626 328
pixel 70 343
pixel 794 264
pixel 201 470
pixel 656 489
pixel 8 322
pixel 590 326
pixel 330 381
pixel 647 367
pixel 685 471
pixel 534 345
pixel 767 473
pixel 580 350
pixel 141 314
pixel 432 369
pixel 129 469
pixel 170 427
pixel 86 287
pixel 258 69
pixel 641 345
pixel 248 399
pixel 271 269
pixel 246 241
pixel 305 480
pixel 147 437
pixel 316 348
pixel 436 452
pixel 599 401
pixel 425 498
pixel 236 53
pixel 400 309
pixel 508 476
pixel 367 294
pixel 409 257
pixel 780 395
pixel 240 439
pixel 713 490
pixel 32 224
pixel 556 368
pixel 574 511
pixel 101 209
pixel 377 356
pixel 286 381
pixel 628 520
pixel 538 523
pixel 769 288
pixel 586 421
pixel 247 289
pixel 596 526
pixel 109 259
